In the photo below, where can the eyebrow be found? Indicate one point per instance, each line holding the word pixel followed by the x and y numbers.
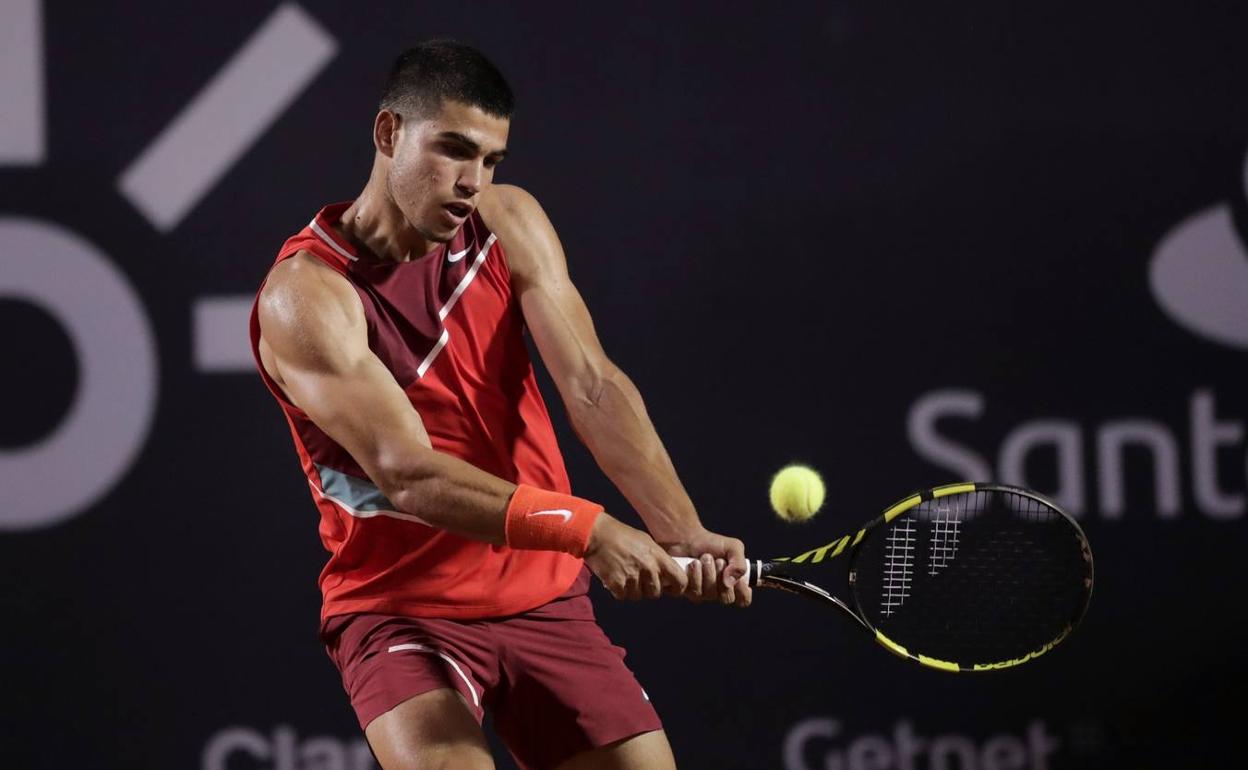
pixel 455 136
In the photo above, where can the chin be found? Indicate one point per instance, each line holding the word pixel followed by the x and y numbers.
pixel 437 236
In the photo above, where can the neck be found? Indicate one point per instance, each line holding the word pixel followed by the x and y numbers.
pixel 374 223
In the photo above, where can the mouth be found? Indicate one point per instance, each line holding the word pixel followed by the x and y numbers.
pixel 458 210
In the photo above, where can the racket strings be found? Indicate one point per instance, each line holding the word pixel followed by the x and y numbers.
pixel 898 566
pixel 989 575
pixel 945 526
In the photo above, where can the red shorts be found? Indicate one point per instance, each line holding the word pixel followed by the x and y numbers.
pixel 551 679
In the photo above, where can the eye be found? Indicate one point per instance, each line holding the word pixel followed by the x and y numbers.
pixel 456 151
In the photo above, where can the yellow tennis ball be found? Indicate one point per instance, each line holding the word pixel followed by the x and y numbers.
pixel 796 493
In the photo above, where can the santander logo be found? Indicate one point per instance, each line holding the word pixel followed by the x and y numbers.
pixel 1199 275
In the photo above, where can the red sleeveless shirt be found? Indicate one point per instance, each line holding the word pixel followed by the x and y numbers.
pixel 447 327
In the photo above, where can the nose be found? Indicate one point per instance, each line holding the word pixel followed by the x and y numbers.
pixel 470 180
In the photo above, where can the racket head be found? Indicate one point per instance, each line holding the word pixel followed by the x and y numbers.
pixel 971 577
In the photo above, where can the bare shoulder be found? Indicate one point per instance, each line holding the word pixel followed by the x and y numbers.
pixel 303 283
pixel 506 205
pixel 305 304
pixel 528 238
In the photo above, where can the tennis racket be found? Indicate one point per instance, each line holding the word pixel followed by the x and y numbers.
pixel 962 577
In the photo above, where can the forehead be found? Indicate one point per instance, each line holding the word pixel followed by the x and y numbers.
pixel 488 131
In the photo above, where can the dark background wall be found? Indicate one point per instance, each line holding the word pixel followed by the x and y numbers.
pixel 903 243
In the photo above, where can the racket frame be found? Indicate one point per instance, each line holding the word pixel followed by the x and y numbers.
pixel 772 574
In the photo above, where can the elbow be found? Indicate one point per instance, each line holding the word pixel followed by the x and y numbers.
pixel 603 404
pixel 406 479
pixel 595 389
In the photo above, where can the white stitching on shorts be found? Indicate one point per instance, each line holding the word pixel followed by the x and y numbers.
pixel 476 701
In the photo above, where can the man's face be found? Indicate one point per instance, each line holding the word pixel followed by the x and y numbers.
pixel 441 164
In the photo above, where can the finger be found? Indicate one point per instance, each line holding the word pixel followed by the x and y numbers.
pixel 652 583
pixel 693 582
pixel 632 589
pixel 727 592
pixel 745 594
pixel 710 577
pixel 616 589
pixel 670 574
pixel 734 550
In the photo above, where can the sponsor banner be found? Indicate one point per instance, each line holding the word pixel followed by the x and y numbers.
pixel 823 743
pixel 283 748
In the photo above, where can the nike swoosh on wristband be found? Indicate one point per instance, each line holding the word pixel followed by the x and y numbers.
pixel 455 256
pixel 565 513
pixel 1199 277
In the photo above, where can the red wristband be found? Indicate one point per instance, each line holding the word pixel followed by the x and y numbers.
pixel 540 520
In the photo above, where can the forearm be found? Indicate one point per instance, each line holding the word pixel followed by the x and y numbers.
pixel 611 420
pixel 449 493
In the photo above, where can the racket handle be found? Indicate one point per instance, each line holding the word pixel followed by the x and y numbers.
pixel 752 568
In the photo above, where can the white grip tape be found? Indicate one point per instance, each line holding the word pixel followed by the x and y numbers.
pixel 684 561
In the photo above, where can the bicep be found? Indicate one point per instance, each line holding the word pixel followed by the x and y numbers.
pixel 553 308
pixel 565 336
pixel 360 406
pixel 317 336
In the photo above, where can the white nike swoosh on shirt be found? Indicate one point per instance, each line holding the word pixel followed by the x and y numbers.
pixel 455 256
pixel 566 514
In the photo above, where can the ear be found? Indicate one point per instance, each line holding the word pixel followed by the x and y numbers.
pixel 386 132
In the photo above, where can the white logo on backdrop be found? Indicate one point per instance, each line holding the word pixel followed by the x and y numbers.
pixel 65 472
pixel 1199 275
pixel 48 265
pixel 284 749
pixel 820 742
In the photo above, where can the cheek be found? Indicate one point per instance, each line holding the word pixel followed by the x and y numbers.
pixel 415 183
pixel 405 181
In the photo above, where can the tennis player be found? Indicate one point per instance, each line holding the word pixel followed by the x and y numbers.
pixel 391 332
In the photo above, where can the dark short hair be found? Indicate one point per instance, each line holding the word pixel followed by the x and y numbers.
pixel 436 70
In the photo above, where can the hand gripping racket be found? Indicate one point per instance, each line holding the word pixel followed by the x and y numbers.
pixel 963 577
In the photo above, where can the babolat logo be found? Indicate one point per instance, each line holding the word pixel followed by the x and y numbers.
pixel 821 743
pixel 1019 661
